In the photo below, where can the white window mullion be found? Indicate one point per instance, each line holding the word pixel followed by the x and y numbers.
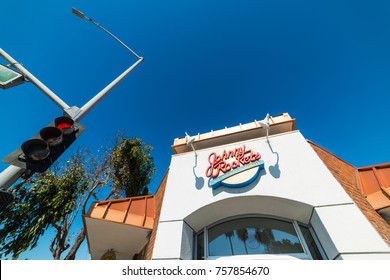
pixel 318 244
pixel 205 243
pixel 302 239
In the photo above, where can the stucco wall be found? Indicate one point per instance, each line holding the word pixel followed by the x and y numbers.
pixel 346 175
pixel 293 184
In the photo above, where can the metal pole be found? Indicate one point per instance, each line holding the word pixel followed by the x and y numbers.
pixel 98 97
pixel 9 176
pixel 12 173
pixel 58 101
pixel 81 15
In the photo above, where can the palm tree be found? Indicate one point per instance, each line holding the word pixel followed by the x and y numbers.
pixel 229 235
pixel 242 234
pixel 266 237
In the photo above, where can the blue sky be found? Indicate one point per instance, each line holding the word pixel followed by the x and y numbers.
pixel 208 64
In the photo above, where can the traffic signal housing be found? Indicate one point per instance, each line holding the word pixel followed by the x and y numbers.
pixel 41 151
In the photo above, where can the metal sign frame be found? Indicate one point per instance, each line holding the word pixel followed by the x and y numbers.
pixel 9 78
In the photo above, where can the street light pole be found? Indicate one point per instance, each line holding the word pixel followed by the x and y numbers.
pixel 98 97
pixel 81 15
pixel 9 176
pixel 58 101
pixel 12 173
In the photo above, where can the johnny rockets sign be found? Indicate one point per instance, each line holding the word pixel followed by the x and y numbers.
pixel 235 168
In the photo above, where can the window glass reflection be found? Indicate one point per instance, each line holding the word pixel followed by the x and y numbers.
pixel 200 250
pixel 253 236
pixel 314 251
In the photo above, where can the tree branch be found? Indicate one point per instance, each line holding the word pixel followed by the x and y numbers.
pixel 76 245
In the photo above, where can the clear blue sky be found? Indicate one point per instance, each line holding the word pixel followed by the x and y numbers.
pixel 208 64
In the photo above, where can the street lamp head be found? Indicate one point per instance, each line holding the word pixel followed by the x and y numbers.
pixel 81 15
pixel 78 13
pixel 189 139
pixel 265 124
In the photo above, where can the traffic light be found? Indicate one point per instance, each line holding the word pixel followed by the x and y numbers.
pixel 41 151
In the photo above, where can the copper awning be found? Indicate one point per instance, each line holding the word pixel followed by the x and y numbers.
pixel 374 183
pixel 121 225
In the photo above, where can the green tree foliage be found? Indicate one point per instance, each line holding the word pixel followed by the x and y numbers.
pixel 132 166
pixel 40 202
pixel 54 199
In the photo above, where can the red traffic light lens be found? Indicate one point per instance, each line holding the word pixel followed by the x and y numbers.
pixel 36 149
pixel 65 124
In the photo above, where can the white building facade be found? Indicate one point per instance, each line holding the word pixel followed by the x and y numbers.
pixel 250 192
pixel 239 195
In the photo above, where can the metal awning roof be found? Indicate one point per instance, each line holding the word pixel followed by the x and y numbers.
pixel 374 183
pixel 121 225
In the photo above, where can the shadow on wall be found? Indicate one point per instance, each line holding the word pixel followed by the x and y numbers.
pixel 199 181
pixel 274 170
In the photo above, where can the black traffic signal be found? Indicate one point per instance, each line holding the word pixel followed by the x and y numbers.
pixel 41 151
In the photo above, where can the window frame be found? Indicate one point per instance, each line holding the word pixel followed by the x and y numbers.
pixel 306 255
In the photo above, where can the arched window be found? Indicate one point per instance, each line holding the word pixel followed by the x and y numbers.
pixel 255 237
